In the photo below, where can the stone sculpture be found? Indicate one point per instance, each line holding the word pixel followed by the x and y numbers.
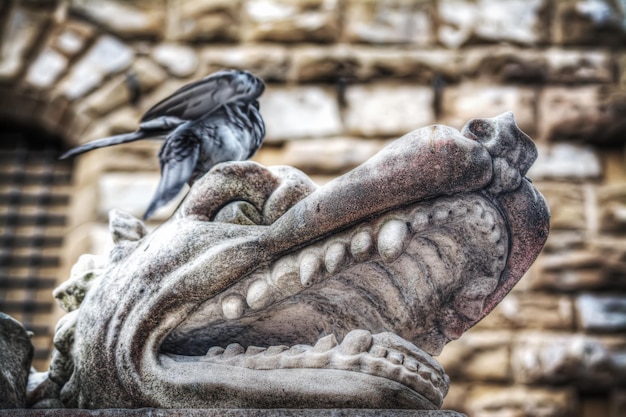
pixel 241 298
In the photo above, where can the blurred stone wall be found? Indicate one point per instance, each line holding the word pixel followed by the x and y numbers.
pixel 345 77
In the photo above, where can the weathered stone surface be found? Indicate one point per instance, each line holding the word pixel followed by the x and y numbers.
pixel 517 21
pixel 231 412
pixel 588 22
pixel 478 356
pixel 23 28
pixel 397 21
pixel 202 20
pixel 108 55
pixel 496 401
pixel 179 60
pixel 612 207
pixel 300 112
pixel 563 161
pixel 384 110
pixel 149 74
pixel 16 354
pixel 544 358
pixel 589 113
pixel 531 310
pixel 123 18
pixel 201 286
pixel 46 69
pixel 292 20
pixel 270 62
pixel 567 205
pixel 330 156
pixel 601 313
pixel 469 100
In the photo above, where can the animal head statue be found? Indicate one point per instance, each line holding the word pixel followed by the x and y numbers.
pixel 264 290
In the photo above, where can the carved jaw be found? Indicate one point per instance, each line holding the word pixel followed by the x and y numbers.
pixel 240 299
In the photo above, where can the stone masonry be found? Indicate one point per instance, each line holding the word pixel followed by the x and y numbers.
pixel 344 77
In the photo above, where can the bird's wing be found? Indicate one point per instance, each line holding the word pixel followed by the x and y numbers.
pixel 178 157
pixel 108 141
pixel 203 97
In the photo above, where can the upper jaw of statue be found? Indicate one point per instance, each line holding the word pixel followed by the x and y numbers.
pixel 249 288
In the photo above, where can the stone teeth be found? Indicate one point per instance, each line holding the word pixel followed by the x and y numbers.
pixel 361 246
pixel 335 257
pixel 275 350
pixel 233 306
pixel 215 351
pixel 420 220
pixel 233 349
pixel 284 275
pixel 410 364
pixel 254 350
pixel 310 269
pixel 259 295
pixel 325 344
pixel 298 349
pixel 393 238
pixel 357 341
pixel 378 351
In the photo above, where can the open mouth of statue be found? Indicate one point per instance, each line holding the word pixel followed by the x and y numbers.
pixel 266 291
pixel 364 287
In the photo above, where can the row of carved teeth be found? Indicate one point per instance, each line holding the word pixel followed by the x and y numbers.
pixel 359 351
pixel 293 273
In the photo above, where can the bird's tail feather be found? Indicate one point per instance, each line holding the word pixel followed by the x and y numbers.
pixel 108 141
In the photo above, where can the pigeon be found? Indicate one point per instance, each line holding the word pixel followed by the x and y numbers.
pixel 213 120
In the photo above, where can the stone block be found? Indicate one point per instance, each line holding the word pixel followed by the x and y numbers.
pixel 300 112
pixel 531 310
pixel 612 208
pixel 292 20
pixel 588 22
pixel 131 192
pixel 72 39
pixel 18 39
pixel 179 60
pixel 567 205
pixel 587 113
pixel 565 240
pixel 421 65
pixel 569 271
pixel 579 66
pixel 108 55
pixel 613 251
pixel 556 358
pixel 520 401
pixel 125 19
pixel 113 94
pixel 331 155
pixel 202 20
pixel 516 21
pixel 478 356
pixel 386 110
pixel 46 69
pixel 396 21
pixel 552 65
pixel 149 74
pixel 268 61
pixel 319 63
pixel 564 161
pixel 469 100
pixel 601 313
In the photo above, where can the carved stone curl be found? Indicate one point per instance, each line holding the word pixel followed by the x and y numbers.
pixel 242 297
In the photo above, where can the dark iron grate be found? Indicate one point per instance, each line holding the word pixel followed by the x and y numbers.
pixel 34 195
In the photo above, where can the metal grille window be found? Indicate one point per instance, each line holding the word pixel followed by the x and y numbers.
pixel 34 196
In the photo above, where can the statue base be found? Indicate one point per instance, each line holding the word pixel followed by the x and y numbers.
pixel 220 412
